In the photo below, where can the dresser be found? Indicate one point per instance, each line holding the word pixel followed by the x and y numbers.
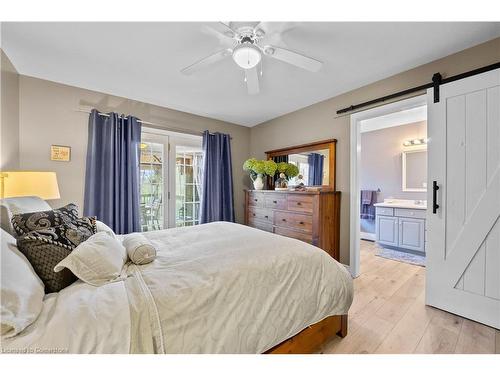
pixel 309 216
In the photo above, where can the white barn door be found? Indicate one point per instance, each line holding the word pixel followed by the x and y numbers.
pixel 463 249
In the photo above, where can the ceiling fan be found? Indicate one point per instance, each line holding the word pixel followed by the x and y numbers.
pixel 249 44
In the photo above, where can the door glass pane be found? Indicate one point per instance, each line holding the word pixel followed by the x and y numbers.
pixel 152 164
pixel 187 185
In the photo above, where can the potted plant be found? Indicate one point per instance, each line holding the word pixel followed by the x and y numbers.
pixel 258 169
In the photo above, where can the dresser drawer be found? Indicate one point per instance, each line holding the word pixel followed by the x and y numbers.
pixel 386 211
pixel 262 225
pixel 275 201
pixel 256 199
pixel 300 203
pixel 261 214
pixel 407 212
pixel 293 221
pixel 306 237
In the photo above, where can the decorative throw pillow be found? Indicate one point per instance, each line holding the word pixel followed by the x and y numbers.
pixel 47 247
pixel 34 221
pixel 140 250
pixel 97 261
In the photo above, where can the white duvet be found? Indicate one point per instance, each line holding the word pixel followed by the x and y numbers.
pixel 213 288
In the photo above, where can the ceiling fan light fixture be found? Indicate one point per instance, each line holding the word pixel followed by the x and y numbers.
pixel 247 55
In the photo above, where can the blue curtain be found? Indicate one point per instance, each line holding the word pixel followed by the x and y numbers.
pixel 217 182
pixel 112 172
pixel 315 162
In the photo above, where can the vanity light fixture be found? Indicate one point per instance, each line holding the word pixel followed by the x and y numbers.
pixel 415 142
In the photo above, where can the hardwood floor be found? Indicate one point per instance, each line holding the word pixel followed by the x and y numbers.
pixel 389 315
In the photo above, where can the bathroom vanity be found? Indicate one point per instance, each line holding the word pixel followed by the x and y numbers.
pixel 401 224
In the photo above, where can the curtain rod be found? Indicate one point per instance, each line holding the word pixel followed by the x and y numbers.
pixel 158 126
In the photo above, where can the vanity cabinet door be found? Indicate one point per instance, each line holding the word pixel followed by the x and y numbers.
pixel 387 230
pixel 412 234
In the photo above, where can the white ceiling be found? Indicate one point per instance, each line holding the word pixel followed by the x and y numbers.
pixel 142 61
pixel 406 116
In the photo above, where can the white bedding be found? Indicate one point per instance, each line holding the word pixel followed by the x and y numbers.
pixel 214 288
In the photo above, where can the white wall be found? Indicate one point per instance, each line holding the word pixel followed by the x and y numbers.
pixel 9 118
pixel 381 165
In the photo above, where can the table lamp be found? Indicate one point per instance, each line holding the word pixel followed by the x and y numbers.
pixel 29 183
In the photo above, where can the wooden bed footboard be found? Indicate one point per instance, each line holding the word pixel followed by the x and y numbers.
pixel 310 339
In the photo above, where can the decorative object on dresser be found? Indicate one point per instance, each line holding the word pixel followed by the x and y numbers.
pixel 260 168
pixel 310 216
pixel 281 183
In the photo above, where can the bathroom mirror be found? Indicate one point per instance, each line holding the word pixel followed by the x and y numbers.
pixel 316 162
pixel 414 169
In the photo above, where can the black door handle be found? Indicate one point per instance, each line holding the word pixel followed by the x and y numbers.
pixel 435 188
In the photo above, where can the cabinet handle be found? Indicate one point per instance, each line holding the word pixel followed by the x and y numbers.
pixel 435 188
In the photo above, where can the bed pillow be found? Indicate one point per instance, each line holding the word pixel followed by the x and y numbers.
pixel 46 248
pixel 34 221
pixel 19 205
pixel 97 261
pixel 101 227
pixel 139 249
pixel 21 292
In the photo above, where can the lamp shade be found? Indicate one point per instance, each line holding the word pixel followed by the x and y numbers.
pixel 28 183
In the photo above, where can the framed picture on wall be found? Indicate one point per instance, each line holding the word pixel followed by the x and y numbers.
pixel 60 153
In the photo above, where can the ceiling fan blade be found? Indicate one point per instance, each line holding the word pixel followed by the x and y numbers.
pixel 293 58
pixel 252 78
pixel 207 61
pixel 222 28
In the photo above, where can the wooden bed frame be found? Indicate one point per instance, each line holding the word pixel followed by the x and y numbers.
pixel 310 339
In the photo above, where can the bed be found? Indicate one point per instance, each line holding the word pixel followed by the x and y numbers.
pixel 213 288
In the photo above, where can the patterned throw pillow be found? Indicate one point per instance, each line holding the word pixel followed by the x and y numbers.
pixel 35 221
pixel 45 248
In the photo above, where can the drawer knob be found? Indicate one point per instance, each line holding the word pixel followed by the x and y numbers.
pixel 275 202
pixel 301 223
pixel 253 214
pixel 299 204
pixel 283 219
pixel 255 200
pixel 267 217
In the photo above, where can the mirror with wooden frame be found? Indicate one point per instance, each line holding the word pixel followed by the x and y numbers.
pixel 316 162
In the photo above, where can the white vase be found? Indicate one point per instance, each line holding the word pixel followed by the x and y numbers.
pixel 258 183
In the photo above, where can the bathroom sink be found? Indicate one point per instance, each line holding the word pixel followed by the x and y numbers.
pixel 403 203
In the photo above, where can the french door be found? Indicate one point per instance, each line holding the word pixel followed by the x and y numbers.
pixel 170 173
pixel 154 171
pixel 463 256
